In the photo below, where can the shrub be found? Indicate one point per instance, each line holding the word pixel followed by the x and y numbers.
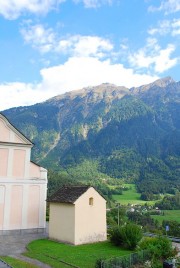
pixel 131 234
pixel 160 247
pixel 115 236
pixel 127 236
pixel 98 263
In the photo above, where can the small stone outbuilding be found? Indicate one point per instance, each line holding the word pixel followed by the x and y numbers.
pixel 77 215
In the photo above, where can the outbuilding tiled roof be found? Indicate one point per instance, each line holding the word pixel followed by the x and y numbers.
pixel 68 194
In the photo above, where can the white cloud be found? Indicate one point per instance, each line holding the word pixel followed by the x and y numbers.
pixel 94 3
pixel 19 94
pixel 76 73
pixel 85 46
pixel 165 27
pixel 46 40
pixel 41 38
pixel 169 6
pixel 80 72
pixel 162 61
pixel 12 9
pixel 175 27
pixel 162 29
pixel 153 57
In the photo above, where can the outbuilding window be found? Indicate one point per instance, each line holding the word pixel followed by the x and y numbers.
pixel 91 201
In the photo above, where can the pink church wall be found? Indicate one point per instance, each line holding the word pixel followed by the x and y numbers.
pixel 19 163
pixel 34 171
pixel 2 195
pixel 33 206
pixel 4 132
pixel 18 140
pixel 3 162
pixel 16 207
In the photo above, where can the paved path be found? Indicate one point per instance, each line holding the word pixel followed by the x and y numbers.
pixel 15 245
pixel 4 265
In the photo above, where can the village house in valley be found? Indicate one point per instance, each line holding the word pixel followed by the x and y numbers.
pixel 77 215
pixel 23 184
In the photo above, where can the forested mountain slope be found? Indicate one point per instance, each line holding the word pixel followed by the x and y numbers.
pixel 129 133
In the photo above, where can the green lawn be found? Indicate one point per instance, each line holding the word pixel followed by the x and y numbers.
pixel 18 263
pixel 169 215
pixel 131 196
pixel 83 256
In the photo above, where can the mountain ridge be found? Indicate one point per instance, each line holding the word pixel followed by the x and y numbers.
pixel 105 124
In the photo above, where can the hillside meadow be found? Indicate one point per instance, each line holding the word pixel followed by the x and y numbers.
pixel 131 196
pixel 169 215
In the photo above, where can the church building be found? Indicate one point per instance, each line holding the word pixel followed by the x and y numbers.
pixel 23 184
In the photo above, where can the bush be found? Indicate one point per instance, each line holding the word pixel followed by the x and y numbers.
pixel 131 234
pixel 98 263
pixel 160 247
pixel 115 236
pixel 127 236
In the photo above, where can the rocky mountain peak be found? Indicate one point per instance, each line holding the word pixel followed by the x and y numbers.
pixel 105 90
pixel 162 83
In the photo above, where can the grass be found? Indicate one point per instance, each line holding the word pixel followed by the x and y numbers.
pixel 169 215
pixel 83 256
pixel 131 196
pixel 18 263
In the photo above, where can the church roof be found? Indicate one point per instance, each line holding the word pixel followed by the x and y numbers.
pixel 14 129
pixel 68 194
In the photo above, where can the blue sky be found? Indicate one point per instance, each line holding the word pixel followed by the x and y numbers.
pixel 49 47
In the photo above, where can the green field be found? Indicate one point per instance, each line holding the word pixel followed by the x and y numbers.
pixel 131 196
pixel 169 215
pixel 84 256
